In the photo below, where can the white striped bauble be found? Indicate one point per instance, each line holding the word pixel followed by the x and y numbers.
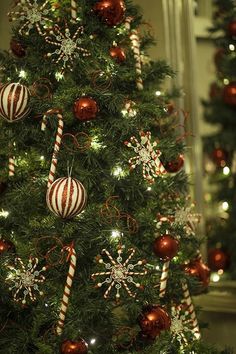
pixel 14 101
pixel 66 197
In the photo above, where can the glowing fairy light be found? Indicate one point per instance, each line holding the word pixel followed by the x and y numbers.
pixel 226 81
pixel 59 76
pixel 231 47
pixel 4 213
pixel 93 341
pixel 118 172
pixel 158 93
pixel 22 74
pixel 215 277
pixel 225 206
pixel 226 170
pixel 115 234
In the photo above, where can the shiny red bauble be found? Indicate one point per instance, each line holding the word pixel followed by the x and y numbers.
pixel 6 246
pixel 85 108
pixel 196 268
pixel 74 347
pixel 153 320
pixel 231 29
pixel 218 259
pixel 17 48
pixel 220 156
pixel 117 54
pixel 175 165
pixel 110 11
pixel 165 247
pixel 229 94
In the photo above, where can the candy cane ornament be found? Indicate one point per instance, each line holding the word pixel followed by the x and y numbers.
pixel 67 289
pixel 191 311
pixel 135 46
pixel 73 10
pixel 164 278
pixel 11 166
pixel 57 144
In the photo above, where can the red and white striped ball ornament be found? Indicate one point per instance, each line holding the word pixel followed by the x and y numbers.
pixel 66 197
pixel 14 102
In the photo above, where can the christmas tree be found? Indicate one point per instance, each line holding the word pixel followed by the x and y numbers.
pixel 98 250
pixel 220 146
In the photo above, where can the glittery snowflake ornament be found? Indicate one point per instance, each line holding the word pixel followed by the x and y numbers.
pixel 32 14
pixel 185 216
pixel 68 46
pixel 147 156
pixel 25 280
pixel 119 273
pixel 180 326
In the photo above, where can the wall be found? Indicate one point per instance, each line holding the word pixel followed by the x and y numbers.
pixel 4 24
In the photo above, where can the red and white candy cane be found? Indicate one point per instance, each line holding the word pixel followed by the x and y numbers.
pixel 57 144
pixel 135 45
pixel 191 311
pixel 164 278
pixel 67 289
pixel 73 7
pixel 11 166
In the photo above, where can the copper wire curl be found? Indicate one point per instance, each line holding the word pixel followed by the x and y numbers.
pixel 58 243
pixel 42 83
pixel 125 330
pixel 76 144
pixel 111 213
pixel 102 86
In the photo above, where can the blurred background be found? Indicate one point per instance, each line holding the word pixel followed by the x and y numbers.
pixel 181 30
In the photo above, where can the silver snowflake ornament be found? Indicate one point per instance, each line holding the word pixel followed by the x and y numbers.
pixel 147 156
pixel 186 217
pixel 25 280
pixel 119 273
pixel 32 14
pixel 180 325
pixel 68 46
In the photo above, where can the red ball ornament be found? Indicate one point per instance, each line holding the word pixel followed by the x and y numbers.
pixel 231 29
pixel 17 48
pixel 111 11
pixel 200 270
pixel 175 165
pixel 229 94
pixel 218 259
pixel 66 197
pixel 74 347
pixel 165 247
pixel 153 320
pixel 6 246
pixel 220 157
pixel 117 54
pixel 85 108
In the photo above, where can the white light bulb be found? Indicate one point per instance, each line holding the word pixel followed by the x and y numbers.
pixel 231 47
pixel 59 76
pixel 226 170
pixel 226 81
pixel 4 213
pixel 22 74
pixel 158 93
pixel 117 171
pixel 93 341
pixel 215 277
pixel 42 158
pixel 225 206
pixel 149 189
pixel 115 234
pixel 157 267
